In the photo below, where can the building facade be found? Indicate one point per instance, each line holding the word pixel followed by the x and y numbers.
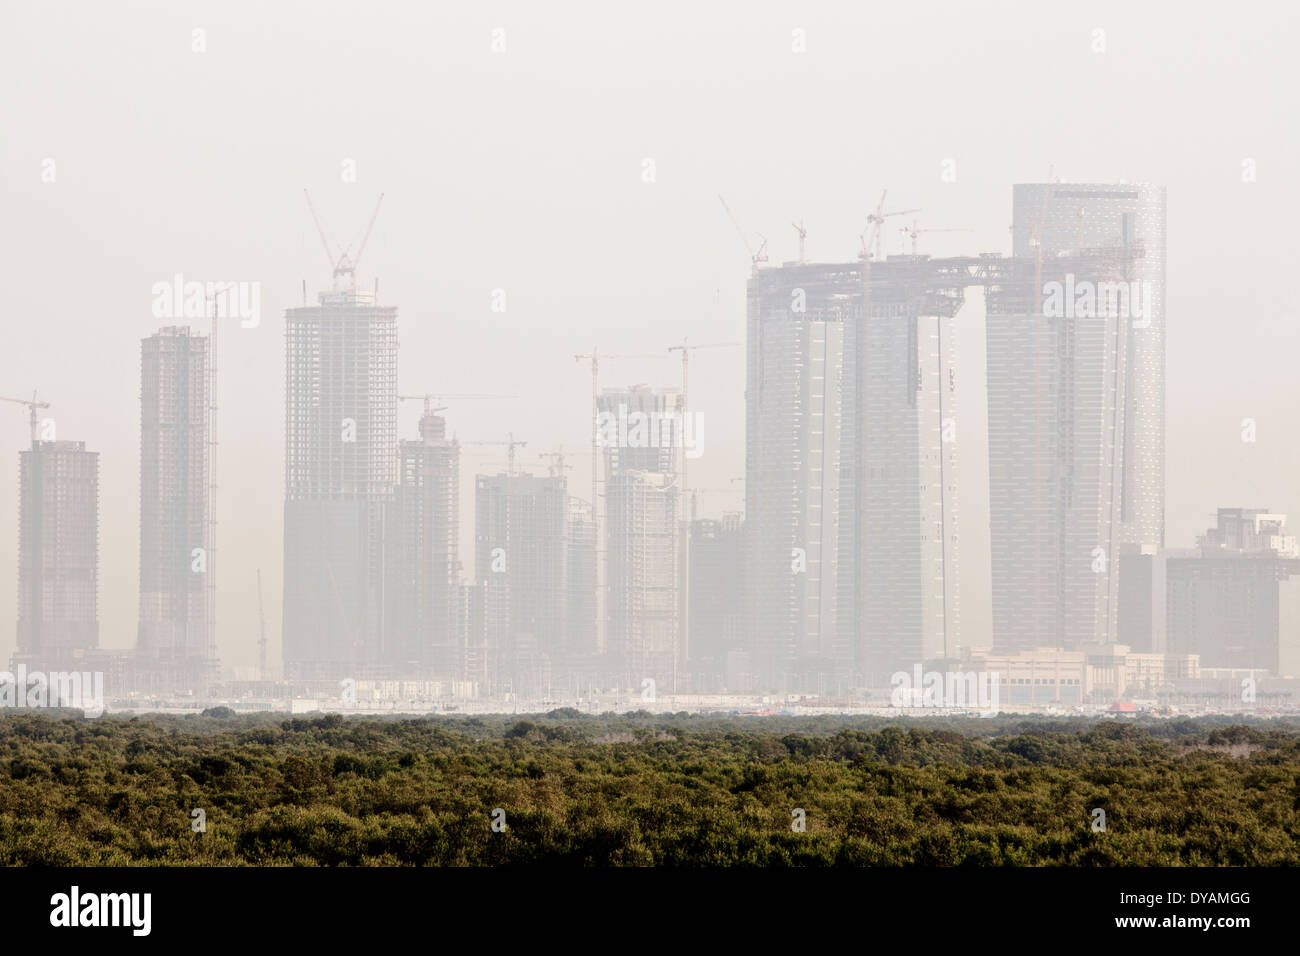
pixel 717 605
pixel 340 472
pixel 851 470
pixel 1076 410
pixel 175 646
pixel 800 471
pixel 639 431
pixel 424 632
pixel 1224 598
pixel 58 555
pixel 520 563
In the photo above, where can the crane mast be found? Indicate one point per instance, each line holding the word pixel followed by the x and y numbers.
pixel 261 630
pixel 32 405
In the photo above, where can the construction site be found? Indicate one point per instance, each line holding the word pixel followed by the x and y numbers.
pixel 853 387
pixel 843 568
pixel 176 642
pixel 341 463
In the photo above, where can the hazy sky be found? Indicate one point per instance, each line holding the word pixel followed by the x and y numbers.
pixel 523 170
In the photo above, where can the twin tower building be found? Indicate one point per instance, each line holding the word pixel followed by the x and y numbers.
pixel 856 424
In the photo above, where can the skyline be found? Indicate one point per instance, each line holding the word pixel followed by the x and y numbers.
pixel 350 302
pixel 441 279
pixel 348 521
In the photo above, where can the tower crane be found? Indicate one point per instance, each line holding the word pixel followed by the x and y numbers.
pixel 686 349
pixel 915 230
pixel 870 239
pixel 214 406
pixel 345 264
pixel 511 445
pixel 755 256
pixel 876 220
pixel 594 357
pixel 261 626
pixel 803 234
pixel 430 397
pixel 32 404
pixel 37 578
pixel 557 457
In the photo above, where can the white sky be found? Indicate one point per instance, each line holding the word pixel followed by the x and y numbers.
pixel 522 170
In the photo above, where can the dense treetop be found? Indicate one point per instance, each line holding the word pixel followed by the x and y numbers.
pixel 683 790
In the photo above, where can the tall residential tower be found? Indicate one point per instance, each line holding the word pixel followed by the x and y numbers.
pixel 1076 411
pixel 850 486
pixel 340 473
pixel 175 646
pixel 424 626
pixel 639 430
pixel 58 554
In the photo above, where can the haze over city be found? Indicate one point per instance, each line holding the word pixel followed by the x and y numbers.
pixel 524 169
pixel 690 438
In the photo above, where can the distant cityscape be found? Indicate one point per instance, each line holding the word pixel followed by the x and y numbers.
pixel 841 573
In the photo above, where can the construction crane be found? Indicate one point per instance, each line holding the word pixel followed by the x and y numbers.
pixel 870 250
pixel 345 264
pixel 36 585
pixel 686 349
pixel 214 396
pixel 870 240
pixel 261 630
pixel 755 256
pixel 430 397
pixel 557 467
pixel 510 443
pixel 32 404
pixel 915 230
pixel 803 234
pixel 594 357
pixel 876 220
